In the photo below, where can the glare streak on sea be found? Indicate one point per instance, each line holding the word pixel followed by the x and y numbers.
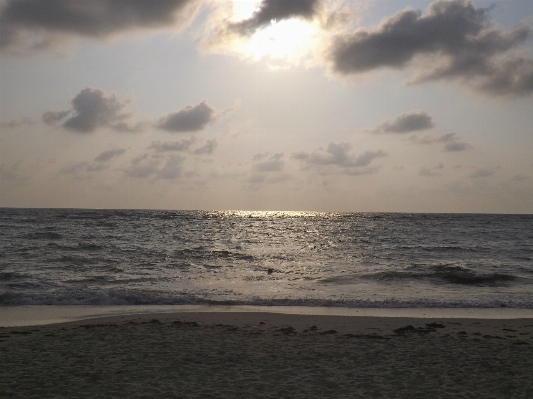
pixel 132 257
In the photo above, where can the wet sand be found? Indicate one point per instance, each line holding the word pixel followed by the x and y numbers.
pixel 257 354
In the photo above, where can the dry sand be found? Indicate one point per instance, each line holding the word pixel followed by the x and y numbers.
pixel 247 355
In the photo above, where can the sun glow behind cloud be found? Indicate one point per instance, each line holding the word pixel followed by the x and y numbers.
pixel 282 42
pixel 289 40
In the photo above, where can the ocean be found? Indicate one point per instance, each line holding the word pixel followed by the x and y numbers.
pixel 311 259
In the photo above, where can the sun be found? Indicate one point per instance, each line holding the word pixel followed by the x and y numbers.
pixel 288 41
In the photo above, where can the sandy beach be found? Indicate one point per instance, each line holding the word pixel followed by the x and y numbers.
pixel 270 355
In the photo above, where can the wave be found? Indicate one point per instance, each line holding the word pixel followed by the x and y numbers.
pixel 461 275
pixel 140 297
pixel 203 253
pixel 444 273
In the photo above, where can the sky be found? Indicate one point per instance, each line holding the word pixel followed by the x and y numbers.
pixel 302 105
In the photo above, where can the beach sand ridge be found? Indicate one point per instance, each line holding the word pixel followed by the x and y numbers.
pixel 204 355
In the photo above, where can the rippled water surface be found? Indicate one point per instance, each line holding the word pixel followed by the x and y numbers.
pixel 50 256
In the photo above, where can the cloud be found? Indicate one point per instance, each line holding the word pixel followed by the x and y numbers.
pixel 192 118
pixel 35 25
pixel 262 178
pixel 81 170
pixel 483 172
pixel 141 171
pixel 456 146
pixel 284 32
pixel 512 76
pixel 452 40
pixel 16 173
pixel 260 156
pixel 110 154
pixel 274 10
pixel 185 145
pixel 53 117
pixel 207 148
pixel 73 168
pixel 405 123
pixel 451 142
pixel 15 123
pixel 430 172
pixel 168 146
pixel 143 167
pixel 268 169
pixel 274 163
pixel 337 155
pixel 172 168
pixel 124 127
pixel 519 178
pixel 93 109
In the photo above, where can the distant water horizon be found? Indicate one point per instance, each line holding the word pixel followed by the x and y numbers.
pixel 263 211
pixel 72 256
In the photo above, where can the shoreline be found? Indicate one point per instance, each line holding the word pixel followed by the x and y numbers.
pixel 19 316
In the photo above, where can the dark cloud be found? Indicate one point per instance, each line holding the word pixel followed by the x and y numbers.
pixel 189 119
pixel 15 123
pixel 93 109
pixel 53 117
pixel 108 155
pixel 456 146
pixel 405 123
pixel 338 155
pixel 452 143
pixel 37 23
pixel 275 10
pixel 484 172
pixel 513 76
pixel 459 41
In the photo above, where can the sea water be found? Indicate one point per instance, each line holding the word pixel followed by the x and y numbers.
pixel 368 260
